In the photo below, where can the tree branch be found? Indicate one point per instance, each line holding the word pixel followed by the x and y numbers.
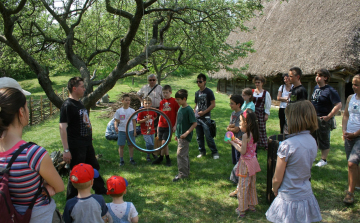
pixel 96 52
pixel 83 10
pixel 118 12
pixel 19 7
pixel 46 39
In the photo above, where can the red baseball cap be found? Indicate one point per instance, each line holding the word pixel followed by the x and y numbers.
pixel 116 185
pixel 83 173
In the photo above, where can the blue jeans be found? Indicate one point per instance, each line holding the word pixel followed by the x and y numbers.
pixel 112 137
pixel 149 141
pixel 203 129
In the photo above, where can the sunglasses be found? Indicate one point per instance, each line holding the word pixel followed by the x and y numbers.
pixel 199 82
pixel 151 80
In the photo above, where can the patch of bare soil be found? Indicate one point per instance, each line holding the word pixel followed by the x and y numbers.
pixel 113 106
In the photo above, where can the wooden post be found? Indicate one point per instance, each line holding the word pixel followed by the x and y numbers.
pixel 225 90
pixel 309 90
pixel 41 109
pixel 233 81
pixel 341 86
pixel 133 80
pixel 31 111
pixel 63 93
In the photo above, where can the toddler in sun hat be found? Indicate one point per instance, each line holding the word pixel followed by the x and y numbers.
pixel 120 210
pixel 85 207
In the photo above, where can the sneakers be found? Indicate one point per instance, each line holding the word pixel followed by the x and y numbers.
pixel 122 163
pixel 234 193
pixel 176 178
pixel 321 163
pixel 132 162
pixel 158 160
pixel 168 162
pixel 216 156
pixel 201 155
pixel 148 158
pixel 349 198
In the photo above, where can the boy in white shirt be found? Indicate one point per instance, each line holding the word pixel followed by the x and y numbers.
pixel 122 116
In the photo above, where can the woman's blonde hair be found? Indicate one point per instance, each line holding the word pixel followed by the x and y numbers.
pixel 301 116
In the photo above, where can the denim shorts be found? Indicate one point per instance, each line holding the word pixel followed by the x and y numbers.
pixel 352 150
pixel 122 138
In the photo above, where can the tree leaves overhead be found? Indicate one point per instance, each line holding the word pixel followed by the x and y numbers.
pixel 132 37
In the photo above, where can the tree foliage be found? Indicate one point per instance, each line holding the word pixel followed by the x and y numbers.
pixel 130 36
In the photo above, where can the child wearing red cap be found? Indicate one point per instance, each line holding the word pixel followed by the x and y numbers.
pixel 120 210
pixel 85 207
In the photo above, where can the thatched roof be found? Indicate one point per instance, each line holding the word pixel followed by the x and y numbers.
pixel 310 34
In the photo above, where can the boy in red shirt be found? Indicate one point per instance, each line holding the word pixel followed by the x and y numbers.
pixel 146 121
pixel 169 107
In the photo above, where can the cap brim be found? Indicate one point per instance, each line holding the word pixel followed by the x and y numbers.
pixel 25 92
pixel 96 173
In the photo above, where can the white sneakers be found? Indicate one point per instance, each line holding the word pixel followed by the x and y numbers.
pixel 321 163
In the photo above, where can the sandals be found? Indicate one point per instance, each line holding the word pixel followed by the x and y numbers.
pixel 349 198
pixel 242 214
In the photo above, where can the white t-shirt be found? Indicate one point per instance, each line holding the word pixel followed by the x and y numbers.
pixel 120 209
pixel 353 124
pixel 123 116
pixel 284 94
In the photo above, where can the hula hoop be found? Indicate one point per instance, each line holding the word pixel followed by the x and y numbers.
pixel 134 143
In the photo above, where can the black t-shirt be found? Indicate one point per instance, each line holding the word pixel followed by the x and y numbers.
pixel 324 99
pixel 298 93
pixel 76 116
pixel 203 100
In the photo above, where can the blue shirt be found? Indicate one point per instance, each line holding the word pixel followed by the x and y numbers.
pixel 89 209
pixel 110 128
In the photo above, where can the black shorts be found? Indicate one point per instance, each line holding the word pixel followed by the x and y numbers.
pixel 322 134
pixel 163 133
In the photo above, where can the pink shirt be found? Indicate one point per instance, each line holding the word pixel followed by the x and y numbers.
pixel 250 158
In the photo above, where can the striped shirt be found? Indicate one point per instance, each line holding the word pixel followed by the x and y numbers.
pixel 24 176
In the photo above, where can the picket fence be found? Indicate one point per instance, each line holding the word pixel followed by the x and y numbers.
pixel 41 109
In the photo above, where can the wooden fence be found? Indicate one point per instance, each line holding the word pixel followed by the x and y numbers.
pixel 41 109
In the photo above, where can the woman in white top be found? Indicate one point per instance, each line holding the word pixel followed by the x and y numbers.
pixel 351 135
pixel 283 95
pixel 262 101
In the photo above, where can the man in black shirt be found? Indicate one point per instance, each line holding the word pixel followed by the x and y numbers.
pixel 297 92
pixel 76 135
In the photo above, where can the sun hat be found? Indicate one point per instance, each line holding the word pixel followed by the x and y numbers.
pixel 11 83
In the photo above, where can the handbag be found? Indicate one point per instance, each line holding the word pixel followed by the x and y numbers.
pixel 332 123
pixel 212 128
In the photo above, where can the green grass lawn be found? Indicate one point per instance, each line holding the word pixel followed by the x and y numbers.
pixel 204 196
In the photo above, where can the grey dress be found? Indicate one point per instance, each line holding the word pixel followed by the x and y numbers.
pixel 295 201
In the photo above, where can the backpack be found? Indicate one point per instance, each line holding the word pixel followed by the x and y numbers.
pixel 8 212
